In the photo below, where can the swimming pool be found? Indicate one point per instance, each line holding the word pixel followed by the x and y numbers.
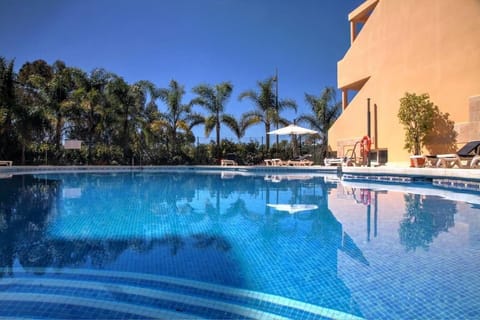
pixel 235 245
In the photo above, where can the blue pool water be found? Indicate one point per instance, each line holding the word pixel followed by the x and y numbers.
pixel 217 245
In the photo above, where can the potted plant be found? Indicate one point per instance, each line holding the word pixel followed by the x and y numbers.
pixel 417 115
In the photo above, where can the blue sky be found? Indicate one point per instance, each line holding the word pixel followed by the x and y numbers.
pixel 191 41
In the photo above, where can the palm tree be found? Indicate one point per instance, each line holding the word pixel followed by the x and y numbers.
pixel 89 107
pixel 176 116
pixel 8 104
pixel 149 123
pixel 143 95
pixel 34 123
pixel 56 94
pixel 28 125
pixel 266 111
pixel 325 110
pixel 213 99
pixel 32 104
pixel 120 99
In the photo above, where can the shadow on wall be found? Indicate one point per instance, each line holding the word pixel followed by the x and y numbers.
pixel 443 137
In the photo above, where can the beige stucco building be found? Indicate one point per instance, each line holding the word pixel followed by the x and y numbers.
pixel 427 46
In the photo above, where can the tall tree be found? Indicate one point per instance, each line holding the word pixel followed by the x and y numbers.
pixel 29 125
pixel 23 115
pixel 266 109
pixel 214 99
pixel 31 114
pixel 149 123
pixel 88 112
pixel 128 101
pixel 324 111
pixel 143 94
pixel 8 105
pixel 53 87
pixel 177 115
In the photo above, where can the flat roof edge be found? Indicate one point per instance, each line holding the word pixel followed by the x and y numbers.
pixel 361 11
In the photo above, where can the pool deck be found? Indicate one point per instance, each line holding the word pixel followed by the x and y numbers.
pixel 463 174
pixel 453 173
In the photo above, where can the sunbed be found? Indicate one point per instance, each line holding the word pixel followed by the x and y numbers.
pixel 275 162
pixel 228 162
pixel 334 161
pixel 302 161
pixel 462 159
pixel 475 162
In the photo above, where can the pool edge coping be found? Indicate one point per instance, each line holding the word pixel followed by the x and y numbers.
pixel 449 178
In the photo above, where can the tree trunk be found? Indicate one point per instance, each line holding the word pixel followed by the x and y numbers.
pixel 217 128
pixel 267 138
pixel 23 153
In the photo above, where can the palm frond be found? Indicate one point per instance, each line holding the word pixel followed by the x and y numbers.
pixel 210 124
pixel 231 122
pixel 195 119
pixel 287 104
pixel 249 94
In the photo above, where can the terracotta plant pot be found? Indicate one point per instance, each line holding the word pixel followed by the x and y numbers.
pixel 417 161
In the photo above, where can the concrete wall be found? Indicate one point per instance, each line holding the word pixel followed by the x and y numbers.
pixel 427 46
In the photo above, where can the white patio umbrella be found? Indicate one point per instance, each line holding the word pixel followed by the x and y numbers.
pixel 292 129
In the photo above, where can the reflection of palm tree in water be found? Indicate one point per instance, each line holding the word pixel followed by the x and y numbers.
pixel 207 240
pixel 239 207
pixel 24 206
pixel 425 218
pixel 325 230
pixel 175 243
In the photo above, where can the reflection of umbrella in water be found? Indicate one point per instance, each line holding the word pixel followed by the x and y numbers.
pixel 293 208
pixel 280 178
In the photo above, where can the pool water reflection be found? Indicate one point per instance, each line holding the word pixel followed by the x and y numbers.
pixel 372 251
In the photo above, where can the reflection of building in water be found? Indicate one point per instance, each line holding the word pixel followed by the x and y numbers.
pixel 333 239
pixel 365 197
pixel 474 229
pixel 426 211
pixel 469 215
pixel 326 239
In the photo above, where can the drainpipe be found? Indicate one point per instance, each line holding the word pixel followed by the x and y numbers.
pixel 375 125
pixel 368 128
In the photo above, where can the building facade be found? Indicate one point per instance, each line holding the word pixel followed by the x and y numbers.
pixel 427 46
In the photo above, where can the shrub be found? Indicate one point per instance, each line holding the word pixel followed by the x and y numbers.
pixel 417 114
